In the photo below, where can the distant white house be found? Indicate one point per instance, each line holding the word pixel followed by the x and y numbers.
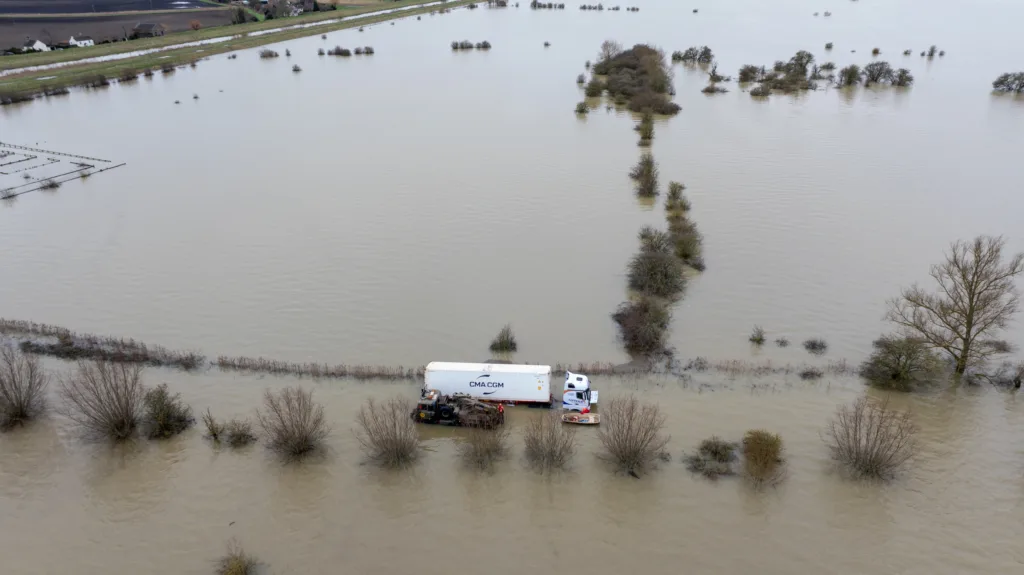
pixel 36 45
pixel 81 41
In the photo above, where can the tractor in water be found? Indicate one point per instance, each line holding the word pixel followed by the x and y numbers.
pixel 457 409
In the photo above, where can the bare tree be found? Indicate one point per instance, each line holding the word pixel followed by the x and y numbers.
pixel 609 50
pixel 105 398
pixel 870 439
pixel 23 384
pixel 387 432
pixel 632 433
pixel 292 422
pixel 550 443
pixel 976 298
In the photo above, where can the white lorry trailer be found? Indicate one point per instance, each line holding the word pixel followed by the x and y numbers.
pixel 507 383
pixel 503 382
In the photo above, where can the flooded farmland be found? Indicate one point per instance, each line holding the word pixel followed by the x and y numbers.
pixel 400 208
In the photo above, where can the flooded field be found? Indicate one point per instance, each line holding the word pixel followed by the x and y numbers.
pixel 171 507
pixel 400 208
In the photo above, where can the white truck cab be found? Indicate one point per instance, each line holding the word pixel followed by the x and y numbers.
pixel 577 395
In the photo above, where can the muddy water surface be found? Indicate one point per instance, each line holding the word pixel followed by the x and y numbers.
pixel 400 208
pixel 170 507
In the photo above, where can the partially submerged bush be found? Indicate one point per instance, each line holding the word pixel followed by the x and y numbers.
pixel 656 274
pixel 750 73
pixel 900 363
pixel 762 456
pixel 23 384
pixel 782 341
pixel 713 459
pixel 713 89
pixel 105 399
pixel 645 176
pixel 761 91
pixel 387 432
pixel 757 336
pixel 581 108
pixel 594 88
pixel 236 433
pixel 236 561
pixel 652 102
pixel 870 439
pixel 642 325
pixel 292 423
pixel 505 340
pixel 902 78
pixel 550 444
pixel 166 415
pixel 646 128
pixel 1009 83
pixel 638 75
pixel 268 53
pixel 816 345
pixel 876 51
pixel 632 434
pixel 809 373
pixel 849 76
pixel 482 447
pixel 878 73
pixel 674 201
pixel 296 68
pixel 828 46
pixel 581 79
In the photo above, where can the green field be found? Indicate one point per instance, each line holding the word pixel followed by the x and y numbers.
pixel 44 58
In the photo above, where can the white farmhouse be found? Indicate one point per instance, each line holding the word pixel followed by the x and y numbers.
pixel 81 41
pixel 36 45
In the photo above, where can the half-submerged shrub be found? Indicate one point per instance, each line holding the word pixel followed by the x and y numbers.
pixel 387 432
pixel 828 46
pixel 902 78
pixel 550 444
pixel 870 439
pixel 849 76
pixel 236 561
pixel 674 200
pixel 581 79
pixel 594 88
pixel 751 73
pixel 1009 83
pixel 106 399
pixel 900 363
pixel 582 108
pixel 642 325
pixel 810 373
pixel 268 53
pixel 761 91
pixel 713 89
pixel 296 68
pixel 878 73
pixel 646 128
pixel 23 384
pixel 505 340
pixel 816 345
pixel 655 273
pixel 292 423
pixel 653 102
pixel 632 434
pixel 645 176
pixel 757 336
pixel 166 415
pixel 762 456
pixel 481 447
pixel 713 459
pixel 235 433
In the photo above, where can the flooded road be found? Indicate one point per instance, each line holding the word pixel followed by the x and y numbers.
pixel 400 208
pixel 168 508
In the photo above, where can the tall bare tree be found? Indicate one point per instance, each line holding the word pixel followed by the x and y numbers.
pixel 976 298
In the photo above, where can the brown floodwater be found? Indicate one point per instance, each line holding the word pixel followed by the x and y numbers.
pixel 400 208
pixel 67 505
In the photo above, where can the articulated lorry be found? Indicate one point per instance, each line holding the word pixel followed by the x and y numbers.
pixel 507 383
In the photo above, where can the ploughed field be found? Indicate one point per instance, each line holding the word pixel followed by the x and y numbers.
pixel 60 28
pixel 84 6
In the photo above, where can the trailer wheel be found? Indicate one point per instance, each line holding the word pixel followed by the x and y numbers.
pixel 446 412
